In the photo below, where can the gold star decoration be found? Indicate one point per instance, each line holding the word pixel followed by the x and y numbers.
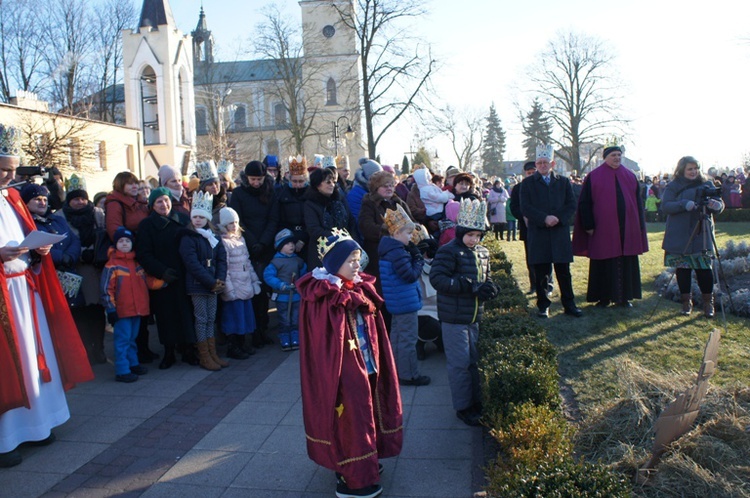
pixel 340 409
pixel 352 344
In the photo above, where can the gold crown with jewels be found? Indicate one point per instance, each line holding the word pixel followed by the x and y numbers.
pixel 297 165
pixel 396 219
pixel 326 243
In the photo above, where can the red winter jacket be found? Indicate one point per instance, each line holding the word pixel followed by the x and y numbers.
pixel 125 285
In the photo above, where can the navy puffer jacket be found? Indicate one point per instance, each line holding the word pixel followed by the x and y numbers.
pixel 456 272
pixel 399 277
pixel 203 265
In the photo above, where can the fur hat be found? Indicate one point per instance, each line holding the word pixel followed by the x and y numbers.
pixel 167 172
pixel 282 238
pixel 378 179
pixel 123 232
pixel 463 177
pixel 32 191
pixel 227 215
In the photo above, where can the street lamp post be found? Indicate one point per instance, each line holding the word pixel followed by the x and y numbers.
pixel 349 133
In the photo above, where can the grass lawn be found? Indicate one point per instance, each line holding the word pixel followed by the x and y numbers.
pixel 652 333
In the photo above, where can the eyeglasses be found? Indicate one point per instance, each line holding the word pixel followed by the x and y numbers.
pixel 388 185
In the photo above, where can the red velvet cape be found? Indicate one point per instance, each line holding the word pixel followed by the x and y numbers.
pixel 605 243
pixel 334 376
pixel 69 351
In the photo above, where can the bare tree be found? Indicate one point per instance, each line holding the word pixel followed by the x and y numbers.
pixel 278 39
pixel 68 38
pixel 575 75
pixel 56 140
pixel 464 130
pixel 20 47
pixel 213 87
pixel 110 19
pixel 395 69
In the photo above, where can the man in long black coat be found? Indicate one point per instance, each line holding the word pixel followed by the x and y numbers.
pixel 547 206
pixel 515 208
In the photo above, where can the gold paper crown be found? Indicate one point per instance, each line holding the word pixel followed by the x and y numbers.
pixel 76 182
pixel 206 170
pixel 396 219
pixel 202 204
pixel 342 162
pixel 472 214
pixel 419 234
pixel 545 151
pixel 225 167
pixel 10 141
pixel 329 162
pixel 326 243
pixel 297 165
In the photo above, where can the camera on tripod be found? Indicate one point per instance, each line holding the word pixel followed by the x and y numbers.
pixel 31 171
pixel 705 193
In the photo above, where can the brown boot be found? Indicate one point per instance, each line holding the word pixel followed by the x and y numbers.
pixel 708 305
pixel 205 357
pixel 212 351
pixel 687 304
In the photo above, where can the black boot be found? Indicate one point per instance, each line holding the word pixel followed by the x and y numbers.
pixel 169 358
pixel 234 350
pixel 258 340
pixel 188 354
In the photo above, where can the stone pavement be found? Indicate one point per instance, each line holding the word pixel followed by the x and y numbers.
pixel 188 432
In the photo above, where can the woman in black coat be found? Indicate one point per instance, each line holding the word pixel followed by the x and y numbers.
pixel 157 252
pixel 325 209
pixel 688 247
pixel 253 201
pixel 288 210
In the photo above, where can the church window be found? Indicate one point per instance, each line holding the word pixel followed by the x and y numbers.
pixel 201 121
pixel 331 92
pixel 149 107
pixel 239 118
pixel 279 115
pixel 272 147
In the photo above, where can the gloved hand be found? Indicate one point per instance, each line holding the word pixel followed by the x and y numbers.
pixel 170 275
pixel 714 204
pixel 256 251
pixel 413 250
pixel 218 287
pixel 67 261
pixel 298 246
pixel 112 317
pixel 487 291
pixel 689 206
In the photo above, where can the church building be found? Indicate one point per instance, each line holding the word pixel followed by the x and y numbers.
pixel 190 107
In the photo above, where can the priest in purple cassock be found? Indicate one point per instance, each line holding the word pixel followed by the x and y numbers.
pixel 610 230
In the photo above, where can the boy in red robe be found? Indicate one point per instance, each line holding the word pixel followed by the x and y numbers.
pixel 351 402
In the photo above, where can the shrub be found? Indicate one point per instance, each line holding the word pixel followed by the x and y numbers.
pixel 558 479
pixel 733 215
pixel 497 325
pixel 517 371
pixel 531 435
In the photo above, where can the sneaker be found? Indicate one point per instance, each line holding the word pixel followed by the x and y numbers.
pixel 139 370
pixel 421 380
pixel 543 313
pixel 128 378
pixel 343 491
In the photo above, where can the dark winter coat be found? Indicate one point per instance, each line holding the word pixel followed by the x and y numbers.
pixel 322 214
pixel 371 225
pixel 539 200
pixel 515 209
pixel 66 253
pixel 253 205
pixel 204 265
pixel 399 277
pixel 681 223
pixel 288 211
pixel 457 271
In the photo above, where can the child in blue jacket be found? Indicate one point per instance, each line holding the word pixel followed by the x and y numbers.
pixel 280 274
pixel 400 268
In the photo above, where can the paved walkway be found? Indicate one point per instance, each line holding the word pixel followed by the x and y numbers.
pixel 190 433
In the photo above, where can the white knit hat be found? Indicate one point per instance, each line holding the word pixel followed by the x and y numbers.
pixel 228 215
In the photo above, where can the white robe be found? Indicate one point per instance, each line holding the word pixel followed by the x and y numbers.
pixel 49 407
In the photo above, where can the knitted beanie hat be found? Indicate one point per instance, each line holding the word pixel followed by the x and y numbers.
pixel 282 238
pixel 156 193
pixel 167 172
pixel 32 190
pixel 255 168
pixel 123 232
pixel 228 215
pixel 367 168
pixel 338 254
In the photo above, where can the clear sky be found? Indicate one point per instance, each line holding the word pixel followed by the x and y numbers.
pixel 685 65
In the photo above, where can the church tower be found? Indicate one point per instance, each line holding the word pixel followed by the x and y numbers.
pixel 203 41
pixel 158 77
pixel 330 49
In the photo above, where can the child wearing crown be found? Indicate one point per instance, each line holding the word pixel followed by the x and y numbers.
pixel 400 267
pixel 351 402
pixel 205 261
pixel 460 274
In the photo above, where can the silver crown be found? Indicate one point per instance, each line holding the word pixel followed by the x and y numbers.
pixel 545 152
pixel 225 167
pixel 206 170
pixel 202 204
pixel 472 214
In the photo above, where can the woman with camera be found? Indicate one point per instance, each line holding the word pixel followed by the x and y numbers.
pixel 689 201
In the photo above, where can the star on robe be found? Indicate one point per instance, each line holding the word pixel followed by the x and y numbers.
pixel 340 409
pixel 352 344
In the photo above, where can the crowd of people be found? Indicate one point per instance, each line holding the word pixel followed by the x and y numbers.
pixel 361 273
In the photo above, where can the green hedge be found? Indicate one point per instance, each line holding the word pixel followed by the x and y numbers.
pixel 733 215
